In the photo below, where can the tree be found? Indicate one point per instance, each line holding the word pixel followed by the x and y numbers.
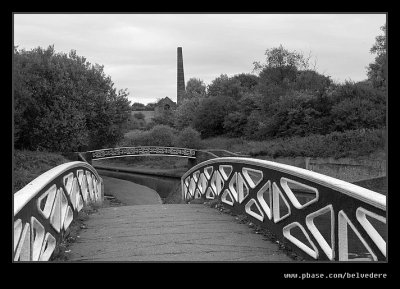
pixel 185 113
pixel 312 82
pixel 287 73
pixel 138 106
pixel 356 113
pixel 234 124
pixel 195 88
pixel 282 64
pixel 62 102
pixel 211 113
pixel 224 86
pixel 357 105
pixel 247 82
pixel 376 71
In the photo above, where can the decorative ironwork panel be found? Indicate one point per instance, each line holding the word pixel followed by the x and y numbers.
pixel 319 217
pixel 142 151
pixel 44 208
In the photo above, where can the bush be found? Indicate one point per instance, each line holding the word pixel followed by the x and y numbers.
pixel 337 144
pixel 162 135
pixel 138 115
pixel 28 165
pixel 189 138
pixel 225 143
pixel 159 135
pixel 352 143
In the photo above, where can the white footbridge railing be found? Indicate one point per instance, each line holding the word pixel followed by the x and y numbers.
pixel 45 208
pixel 319 217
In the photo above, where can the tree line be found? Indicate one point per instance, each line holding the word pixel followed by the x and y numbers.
pixel 284 97
pixel 64 103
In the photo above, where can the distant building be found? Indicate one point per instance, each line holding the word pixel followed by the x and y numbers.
pixel 163 106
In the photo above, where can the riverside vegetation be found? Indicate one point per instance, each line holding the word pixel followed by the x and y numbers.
pixel 284 108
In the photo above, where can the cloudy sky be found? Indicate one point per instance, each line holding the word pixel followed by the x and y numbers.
pixel 139 51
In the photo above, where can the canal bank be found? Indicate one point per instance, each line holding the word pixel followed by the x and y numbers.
pixel 129 193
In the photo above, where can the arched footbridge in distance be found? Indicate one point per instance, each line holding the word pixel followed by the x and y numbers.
pixel 319 217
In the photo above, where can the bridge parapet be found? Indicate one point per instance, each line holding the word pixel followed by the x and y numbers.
pixel 141 151
pixel 319 217
pixel 45 208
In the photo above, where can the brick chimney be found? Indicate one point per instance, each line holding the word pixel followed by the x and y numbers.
pixel 180 78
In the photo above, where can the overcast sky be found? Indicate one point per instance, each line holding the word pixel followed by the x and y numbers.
pixel 139 51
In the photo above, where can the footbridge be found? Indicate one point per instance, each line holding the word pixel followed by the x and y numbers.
pixel 318 217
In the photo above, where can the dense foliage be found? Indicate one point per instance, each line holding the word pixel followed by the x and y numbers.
pixel 28 165
pixel 64 103
pixel 163 135
pixel 351 143
pixel 378 69
pixel 286 98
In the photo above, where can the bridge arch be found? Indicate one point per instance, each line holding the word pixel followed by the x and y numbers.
pixel 288 201
pixel 45 208
pixel 291 202
pixel 141 151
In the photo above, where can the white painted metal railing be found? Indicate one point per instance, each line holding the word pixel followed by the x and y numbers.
pixel 333 218
pixel 45 208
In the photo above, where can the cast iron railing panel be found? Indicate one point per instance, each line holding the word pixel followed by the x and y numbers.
pixel 45 208
pixel 141 151
pixel 320 217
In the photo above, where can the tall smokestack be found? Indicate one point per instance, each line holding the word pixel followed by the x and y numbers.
pixel 181 78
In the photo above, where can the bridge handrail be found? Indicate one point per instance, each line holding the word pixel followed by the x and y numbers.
pixel 209 180
pixel 45 207
pixel 142 151
pixel 232 154
pixel 363 194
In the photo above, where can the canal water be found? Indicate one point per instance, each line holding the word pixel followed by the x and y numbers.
pixel 163 185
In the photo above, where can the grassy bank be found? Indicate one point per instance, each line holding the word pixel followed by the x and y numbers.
pixel 28 165
pixel 352 144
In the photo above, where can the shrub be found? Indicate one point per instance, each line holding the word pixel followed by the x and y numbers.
pixel 352 143
pixel 189 138
pixel 225 143
pixel 337 144
pixel 159 135
pixel 138 115
pixel 28 165
pixel 162 135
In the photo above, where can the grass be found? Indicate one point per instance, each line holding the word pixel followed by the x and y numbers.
pixel 28 165
pixel 351 144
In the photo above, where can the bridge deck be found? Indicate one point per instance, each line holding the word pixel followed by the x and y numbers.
pixel 177 232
